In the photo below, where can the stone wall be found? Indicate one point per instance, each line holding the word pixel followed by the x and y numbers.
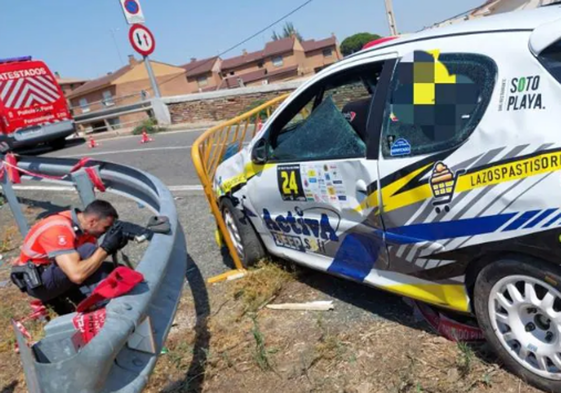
pixel 224 104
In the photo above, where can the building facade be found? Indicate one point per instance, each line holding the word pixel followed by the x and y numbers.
pixel 128 85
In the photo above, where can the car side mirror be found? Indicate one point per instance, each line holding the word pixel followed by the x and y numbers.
pixel 259 152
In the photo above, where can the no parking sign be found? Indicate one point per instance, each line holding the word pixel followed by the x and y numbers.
pixel 133 11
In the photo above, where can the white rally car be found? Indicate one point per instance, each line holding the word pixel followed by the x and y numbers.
pixel 429 166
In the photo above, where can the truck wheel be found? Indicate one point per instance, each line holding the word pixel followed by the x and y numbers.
pixel 58 143
pixel 245 238
pixel 517 301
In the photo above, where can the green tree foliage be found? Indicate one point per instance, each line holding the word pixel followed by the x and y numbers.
pixel 288 30
pixel 355 42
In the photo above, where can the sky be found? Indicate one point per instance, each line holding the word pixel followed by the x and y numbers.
pixel 87 39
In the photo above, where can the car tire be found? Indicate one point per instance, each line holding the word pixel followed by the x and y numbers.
pixel 246 240
pixel 515 301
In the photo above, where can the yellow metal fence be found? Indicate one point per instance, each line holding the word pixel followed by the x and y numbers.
pixel 208 151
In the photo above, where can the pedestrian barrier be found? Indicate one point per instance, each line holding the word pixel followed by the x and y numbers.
pixel 121 357
pixel 208 152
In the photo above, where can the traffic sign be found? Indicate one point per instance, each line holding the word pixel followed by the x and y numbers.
pixel 142 40
pixel 133 11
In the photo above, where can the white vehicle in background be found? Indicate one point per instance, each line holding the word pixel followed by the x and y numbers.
pixel 428 166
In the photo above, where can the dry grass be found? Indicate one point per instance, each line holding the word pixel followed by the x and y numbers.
pixel 9 239
pixel 261 286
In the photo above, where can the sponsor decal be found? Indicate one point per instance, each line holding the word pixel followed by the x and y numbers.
pixel 400 148
pixel 443 182
pixel 524 94
pixel 299 231
pixel 62 240
pixel 290 183
pixel 543 163
pixel 502 95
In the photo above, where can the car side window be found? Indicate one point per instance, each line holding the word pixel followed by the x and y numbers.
pixel 328 121
pixel 436 101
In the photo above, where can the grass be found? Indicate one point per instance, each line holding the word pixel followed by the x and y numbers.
pixel 261 286
pixel 150 126
pixel 465 359
pixel 261 354
pixel 8 239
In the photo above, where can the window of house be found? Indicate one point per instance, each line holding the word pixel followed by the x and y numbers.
pixel 202 81
pixel 232 72
pixel 108 98
pixel 84 105
pixel 328 120
pixel 277 61
pixel 435 105
pixel 260 64
pixel 328 52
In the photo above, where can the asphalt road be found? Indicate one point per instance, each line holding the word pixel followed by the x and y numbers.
pixel 168 157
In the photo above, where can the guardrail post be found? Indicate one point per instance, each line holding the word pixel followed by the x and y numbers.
pixel 10 195
pixel 84 186
pixel 161 111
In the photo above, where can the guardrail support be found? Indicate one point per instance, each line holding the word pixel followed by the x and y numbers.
pixel 84 186
pixel 10 195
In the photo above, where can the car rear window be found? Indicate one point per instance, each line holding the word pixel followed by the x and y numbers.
pixel 551 60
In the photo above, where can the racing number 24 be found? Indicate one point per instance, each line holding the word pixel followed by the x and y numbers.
pixel 290 183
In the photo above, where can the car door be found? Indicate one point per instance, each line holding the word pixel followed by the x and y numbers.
pixel 311 197
pixel 435 102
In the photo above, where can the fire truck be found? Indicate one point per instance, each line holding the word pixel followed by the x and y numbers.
pixel 33 109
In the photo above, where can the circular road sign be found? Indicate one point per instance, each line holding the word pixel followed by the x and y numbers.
pixel 142 40
pixel 132 6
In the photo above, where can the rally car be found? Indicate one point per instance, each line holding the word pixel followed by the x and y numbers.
pixel 428 166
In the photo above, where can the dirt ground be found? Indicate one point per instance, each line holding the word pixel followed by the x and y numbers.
pixel 225 339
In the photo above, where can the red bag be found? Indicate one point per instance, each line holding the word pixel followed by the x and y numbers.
pixel 89 324
pixel 121 281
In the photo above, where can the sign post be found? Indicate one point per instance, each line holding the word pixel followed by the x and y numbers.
pixel 133 11
pixel 142 40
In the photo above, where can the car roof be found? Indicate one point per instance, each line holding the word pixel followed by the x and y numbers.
pixel 508 21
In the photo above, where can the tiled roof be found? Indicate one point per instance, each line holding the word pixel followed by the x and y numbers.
pixel 277 47
pixel 237 61
pixel 199 67
pixel 253 76
pixel 64 81
pixel 311 45
pixel 100 82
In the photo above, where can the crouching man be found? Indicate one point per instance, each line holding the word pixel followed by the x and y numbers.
pixel 60 262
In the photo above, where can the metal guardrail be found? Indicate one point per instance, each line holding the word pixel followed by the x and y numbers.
pixel 113 112
pixel 58 362
pixel 207 153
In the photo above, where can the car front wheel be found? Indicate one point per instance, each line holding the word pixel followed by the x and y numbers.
pixel 246 240
pixel 517 301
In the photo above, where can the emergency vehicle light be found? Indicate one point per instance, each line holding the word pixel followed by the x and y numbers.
pixel 15 59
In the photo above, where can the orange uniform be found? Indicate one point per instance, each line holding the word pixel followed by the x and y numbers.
pixel 55 235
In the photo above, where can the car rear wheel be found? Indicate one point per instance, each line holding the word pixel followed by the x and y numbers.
pixel 246 240
pixel 517 301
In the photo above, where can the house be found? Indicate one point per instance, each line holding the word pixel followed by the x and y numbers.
pixel 67 85
pixel 284 59
pixel 320 54
pixel 203 75
pixel 127 85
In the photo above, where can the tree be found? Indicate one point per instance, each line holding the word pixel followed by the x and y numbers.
pixel 355 42
pixel 288 30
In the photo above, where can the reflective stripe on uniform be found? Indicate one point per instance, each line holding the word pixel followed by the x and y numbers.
pixel 26 248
